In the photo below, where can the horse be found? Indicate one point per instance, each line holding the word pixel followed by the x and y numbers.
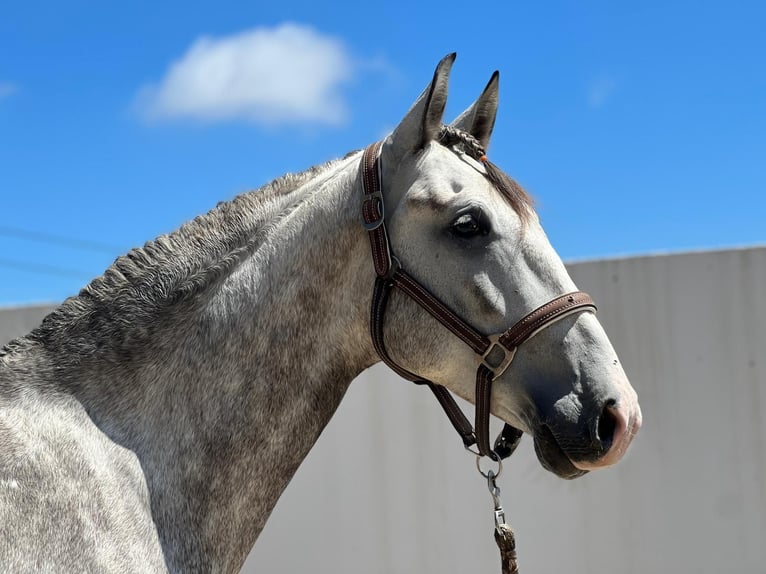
pixel 151 422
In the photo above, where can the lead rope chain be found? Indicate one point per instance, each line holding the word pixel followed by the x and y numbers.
pixel 504 537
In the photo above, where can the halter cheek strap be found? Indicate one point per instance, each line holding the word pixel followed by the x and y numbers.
pixel 494 353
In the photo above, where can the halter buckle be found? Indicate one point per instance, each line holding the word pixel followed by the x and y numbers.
pixel 375 196
pixel 497 358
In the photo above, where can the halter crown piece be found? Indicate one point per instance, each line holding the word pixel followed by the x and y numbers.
pixel 494 352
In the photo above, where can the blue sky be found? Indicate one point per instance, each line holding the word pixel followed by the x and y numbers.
pixel 638 127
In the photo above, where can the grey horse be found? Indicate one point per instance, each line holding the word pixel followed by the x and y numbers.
pixel 152 421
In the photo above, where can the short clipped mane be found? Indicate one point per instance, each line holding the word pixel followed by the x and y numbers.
pixel 514 194
pixel 173 267
pixel 177 266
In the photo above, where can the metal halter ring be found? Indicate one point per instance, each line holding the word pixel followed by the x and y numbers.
pixel 487 474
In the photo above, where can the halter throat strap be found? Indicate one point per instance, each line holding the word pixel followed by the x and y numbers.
pixel 494 352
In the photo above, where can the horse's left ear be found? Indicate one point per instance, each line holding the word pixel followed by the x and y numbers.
pixel 424 120
pixel 479 119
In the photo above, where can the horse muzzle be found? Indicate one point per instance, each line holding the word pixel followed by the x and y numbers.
pixel 625 420
pixel 596 442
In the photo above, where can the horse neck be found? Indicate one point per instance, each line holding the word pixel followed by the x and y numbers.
pixel 241 379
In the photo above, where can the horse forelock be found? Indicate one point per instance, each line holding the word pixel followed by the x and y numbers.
pixel 516 196
pixel 173 267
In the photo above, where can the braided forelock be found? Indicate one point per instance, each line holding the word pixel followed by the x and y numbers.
pixel 514 194
pixel 450 136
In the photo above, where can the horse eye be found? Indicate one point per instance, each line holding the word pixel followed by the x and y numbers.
pixel 468 225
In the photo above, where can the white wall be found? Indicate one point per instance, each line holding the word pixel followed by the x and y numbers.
pixel 389 489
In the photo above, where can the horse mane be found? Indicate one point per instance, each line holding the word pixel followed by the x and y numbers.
pixel 175 267
pixel 516 196
pixel 172 268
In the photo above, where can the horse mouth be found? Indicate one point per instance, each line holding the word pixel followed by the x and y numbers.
pixel 552 457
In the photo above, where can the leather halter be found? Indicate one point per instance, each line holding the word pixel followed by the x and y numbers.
pixel 494 352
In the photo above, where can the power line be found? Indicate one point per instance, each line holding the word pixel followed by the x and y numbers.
pixel 44 269
pixel 73 242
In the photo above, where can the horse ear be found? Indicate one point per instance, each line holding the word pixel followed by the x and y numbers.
pixel 424 120
pixel 479 119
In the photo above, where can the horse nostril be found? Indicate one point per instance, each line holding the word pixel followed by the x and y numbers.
pixel 606 426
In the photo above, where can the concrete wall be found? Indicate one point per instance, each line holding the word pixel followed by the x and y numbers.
pixel 18 321
pixel 389 489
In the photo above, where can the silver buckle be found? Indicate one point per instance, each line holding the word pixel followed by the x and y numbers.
pixel 496 367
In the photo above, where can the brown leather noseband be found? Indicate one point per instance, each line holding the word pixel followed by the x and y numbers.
pixel 494 352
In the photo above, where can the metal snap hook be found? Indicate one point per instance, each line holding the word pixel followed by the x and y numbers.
pixel 494 491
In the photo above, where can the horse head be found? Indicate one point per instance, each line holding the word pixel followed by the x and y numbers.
pixel 470 235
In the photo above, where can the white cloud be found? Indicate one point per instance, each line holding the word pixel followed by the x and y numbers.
pixel 286 74
pixel 599 91
pixel 8 89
